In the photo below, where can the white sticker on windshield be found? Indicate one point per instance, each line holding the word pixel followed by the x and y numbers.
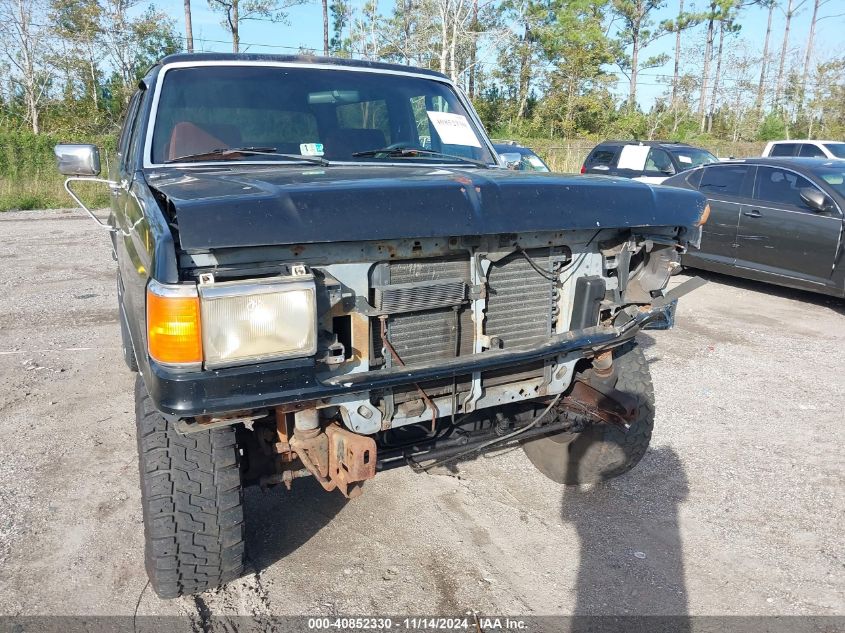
pixel 684 159
pixel 311 149
pixel 454 129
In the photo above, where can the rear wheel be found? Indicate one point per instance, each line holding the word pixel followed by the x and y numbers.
pixel 192 503
pixel 602 451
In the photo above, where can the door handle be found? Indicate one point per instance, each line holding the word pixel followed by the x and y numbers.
pixel 754 213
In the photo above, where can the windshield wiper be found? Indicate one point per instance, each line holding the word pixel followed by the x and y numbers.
pixel 227 153
pixel 412 152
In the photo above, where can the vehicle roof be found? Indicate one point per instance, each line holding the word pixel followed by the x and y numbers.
pixel 508 147
pixel 806 165
pixel 803 140
pixel 294 59
pixel 648 143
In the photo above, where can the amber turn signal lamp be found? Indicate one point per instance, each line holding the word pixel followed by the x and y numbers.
pixel 705 215
pixel 174 335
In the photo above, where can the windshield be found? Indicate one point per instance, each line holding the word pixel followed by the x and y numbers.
pixel 691 157
pixel 310 112
pixel 833 176
pixel 531 162
pixel 837 149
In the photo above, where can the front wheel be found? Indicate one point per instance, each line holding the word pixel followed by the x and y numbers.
pixel 192 503
pixel 602 451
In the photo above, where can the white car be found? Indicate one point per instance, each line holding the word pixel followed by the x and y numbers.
pixel 805 149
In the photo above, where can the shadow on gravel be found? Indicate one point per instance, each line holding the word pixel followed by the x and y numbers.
pixel 631 552
pixel 805 296
pixel 278 522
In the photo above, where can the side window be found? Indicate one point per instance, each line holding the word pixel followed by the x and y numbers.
pixel 810 151
pixel 128 129
pixel 783 149
pixel 136 134
pixel 724 180
pixel 694 177
pixel 659 162
pixel 601 158
pixel 780 187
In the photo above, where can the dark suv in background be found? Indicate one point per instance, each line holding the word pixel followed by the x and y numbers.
pixel 647 161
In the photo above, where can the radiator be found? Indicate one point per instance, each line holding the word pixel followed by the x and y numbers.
pixel 519 302
pixel 429 312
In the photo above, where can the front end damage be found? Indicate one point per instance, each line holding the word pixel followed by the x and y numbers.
pixel 432 350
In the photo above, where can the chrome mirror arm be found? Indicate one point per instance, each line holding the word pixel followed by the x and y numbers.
pixel 111 183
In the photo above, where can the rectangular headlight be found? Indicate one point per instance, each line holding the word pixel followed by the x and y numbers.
pixel 258 320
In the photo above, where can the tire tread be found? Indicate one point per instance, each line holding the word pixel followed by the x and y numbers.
pixel 192 503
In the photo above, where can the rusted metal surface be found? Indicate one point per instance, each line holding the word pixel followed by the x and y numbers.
pixel 352 459
pixel 294 406
pixel 282 446
pixel 605 403
pixel 360 337
pixel 603 364
pixel 285 477
pixel 337 458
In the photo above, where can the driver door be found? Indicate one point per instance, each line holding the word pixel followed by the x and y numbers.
pixel 780 235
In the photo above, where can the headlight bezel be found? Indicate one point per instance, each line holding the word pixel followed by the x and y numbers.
pixel 211 292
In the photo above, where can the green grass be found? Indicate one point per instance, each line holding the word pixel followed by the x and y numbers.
pixel 45 190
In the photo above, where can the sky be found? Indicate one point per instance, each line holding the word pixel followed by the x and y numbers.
pixel 306 24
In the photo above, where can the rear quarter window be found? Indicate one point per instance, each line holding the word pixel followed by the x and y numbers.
pixel 783 149
pixel 603 156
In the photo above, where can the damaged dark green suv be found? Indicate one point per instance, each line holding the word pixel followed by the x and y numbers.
pixel 324 271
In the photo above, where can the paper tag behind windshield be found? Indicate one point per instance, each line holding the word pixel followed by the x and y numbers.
pixel 453 129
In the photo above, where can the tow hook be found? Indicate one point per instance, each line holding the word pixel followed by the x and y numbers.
pixel 337 458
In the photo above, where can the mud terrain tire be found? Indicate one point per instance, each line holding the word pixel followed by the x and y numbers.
pixel 192 503
pixel 602 451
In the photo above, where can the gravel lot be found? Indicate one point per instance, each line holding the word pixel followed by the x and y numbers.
pixel 736 509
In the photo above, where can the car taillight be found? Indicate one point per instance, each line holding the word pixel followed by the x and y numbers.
pixel 583 169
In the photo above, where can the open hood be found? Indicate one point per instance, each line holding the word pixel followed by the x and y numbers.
pixel 257 205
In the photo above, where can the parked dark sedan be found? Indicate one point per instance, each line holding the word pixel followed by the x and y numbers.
pixel 775 220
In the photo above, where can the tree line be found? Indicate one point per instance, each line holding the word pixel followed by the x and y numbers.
pixel 533 68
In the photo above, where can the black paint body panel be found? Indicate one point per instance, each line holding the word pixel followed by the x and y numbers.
pixel 261 205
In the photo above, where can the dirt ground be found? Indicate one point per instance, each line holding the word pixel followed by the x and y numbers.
pixel 736 509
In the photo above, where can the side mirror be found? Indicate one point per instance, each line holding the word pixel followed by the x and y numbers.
pixel 78 160
pixel 814 199
pixel 669 170
pixel 511 159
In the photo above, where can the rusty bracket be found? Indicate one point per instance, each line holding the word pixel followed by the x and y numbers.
pixel 352 460
pixel 337 458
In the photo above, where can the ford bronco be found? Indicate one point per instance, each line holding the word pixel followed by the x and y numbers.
pixel 325 271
